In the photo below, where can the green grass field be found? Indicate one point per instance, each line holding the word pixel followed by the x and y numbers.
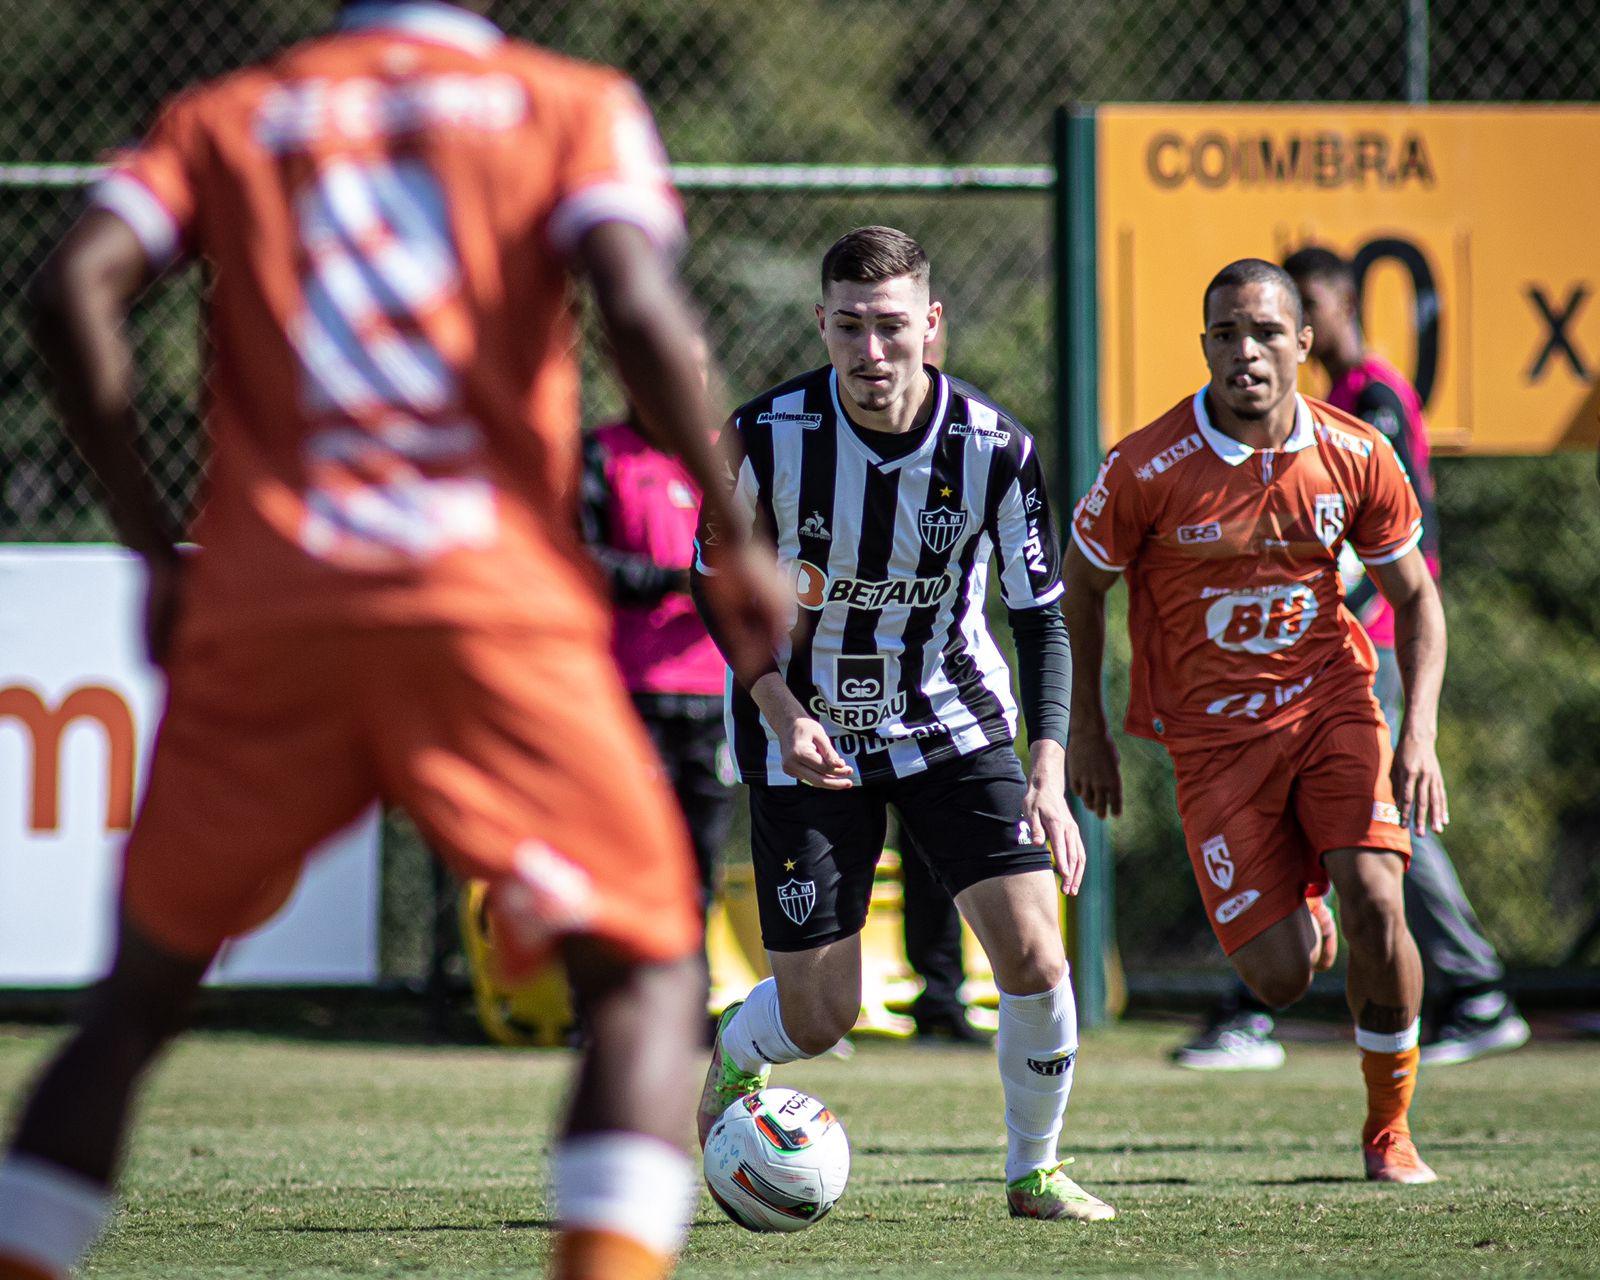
pixel 271 1157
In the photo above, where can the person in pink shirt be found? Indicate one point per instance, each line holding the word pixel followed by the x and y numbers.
pixel 637 513
pixel 1472 1015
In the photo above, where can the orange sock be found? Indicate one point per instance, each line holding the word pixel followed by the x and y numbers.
pixel 15 1269
pixel 1391 1079
pixel 604 1255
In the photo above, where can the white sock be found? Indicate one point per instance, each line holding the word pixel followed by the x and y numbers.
pixel 1383 1042
pixel 1037 1045
pixel 755 1037
pixel 49 1216
pixel 627 1184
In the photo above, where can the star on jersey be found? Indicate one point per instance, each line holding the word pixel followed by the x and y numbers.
pixel 788 864
pixel 946 491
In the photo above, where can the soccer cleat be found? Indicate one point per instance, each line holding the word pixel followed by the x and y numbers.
pixel 1049 1194
pixel 725 1083
pixel 1392 1157
pixel 1474 1026
pixel 1238 1041
pixel 1327 935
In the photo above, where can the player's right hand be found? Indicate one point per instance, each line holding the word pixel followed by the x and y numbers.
pixel 808 755
pixel 1093 770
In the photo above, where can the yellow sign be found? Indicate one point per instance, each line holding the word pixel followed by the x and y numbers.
pixel 1473 231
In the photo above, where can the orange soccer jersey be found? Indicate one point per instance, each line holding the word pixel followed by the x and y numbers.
pixel 1231 556
pixel 388 214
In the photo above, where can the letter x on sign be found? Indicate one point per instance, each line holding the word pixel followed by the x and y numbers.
pixel 1558 342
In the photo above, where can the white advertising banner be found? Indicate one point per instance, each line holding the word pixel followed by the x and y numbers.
pixel 78 710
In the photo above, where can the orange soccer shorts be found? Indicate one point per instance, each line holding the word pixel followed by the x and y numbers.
pixel 1259 815
pixel 518 755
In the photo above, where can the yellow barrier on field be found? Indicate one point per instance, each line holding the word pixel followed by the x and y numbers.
pixel 540 1012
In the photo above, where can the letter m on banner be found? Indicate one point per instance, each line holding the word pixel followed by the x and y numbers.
pixel 45 729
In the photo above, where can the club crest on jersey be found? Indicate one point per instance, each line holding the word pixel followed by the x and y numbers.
pixel 797 898
pixel 1219 862
pixel 940 527
pixel 1328 519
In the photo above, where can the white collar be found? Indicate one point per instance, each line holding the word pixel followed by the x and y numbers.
pixel 426 19
pixel 1234 452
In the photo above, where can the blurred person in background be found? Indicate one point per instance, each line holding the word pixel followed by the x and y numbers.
pixel 1471 1014
pixel 389 600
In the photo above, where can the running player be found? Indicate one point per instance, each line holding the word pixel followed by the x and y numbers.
pixel 1472 1013
pixel 390 598
pixel 1227 515
pixel 889 486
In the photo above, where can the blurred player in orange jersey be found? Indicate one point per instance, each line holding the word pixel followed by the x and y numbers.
pixel 1227 516
pixel 390 599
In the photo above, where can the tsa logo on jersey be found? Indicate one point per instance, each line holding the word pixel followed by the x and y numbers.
pixel 1328 519
pixel 940 527
pixel 797 898
pixel 1219 862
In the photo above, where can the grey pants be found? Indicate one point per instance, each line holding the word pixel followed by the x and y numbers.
pixel 1441 919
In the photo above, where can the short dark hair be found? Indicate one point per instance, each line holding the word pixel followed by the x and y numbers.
pixel 870 254
pixel 1254 271
pixel 1316 263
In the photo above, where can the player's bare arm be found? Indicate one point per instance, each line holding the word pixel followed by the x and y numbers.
pixel 1092 760
pixel 80 300
pixel 652 332
pixel 1049 816
pixel 1420 647
pixel 807 752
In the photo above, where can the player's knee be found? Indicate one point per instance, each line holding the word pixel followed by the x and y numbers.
pixel 818 1022
pixel 1280 986
pixel 1372 925
pixel 1031 972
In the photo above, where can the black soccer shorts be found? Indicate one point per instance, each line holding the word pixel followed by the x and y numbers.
pixel 815 851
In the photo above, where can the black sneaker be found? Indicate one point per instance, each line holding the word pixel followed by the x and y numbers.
pixel 955 1026
pixel 1473 1025
pixel 1236 1041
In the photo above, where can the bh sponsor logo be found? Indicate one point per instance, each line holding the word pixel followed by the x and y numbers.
pixel 1263 620
pixel 1237 905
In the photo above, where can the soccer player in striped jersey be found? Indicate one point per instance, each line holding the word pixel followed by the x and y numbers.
pixel 1227 516
pixel 889 487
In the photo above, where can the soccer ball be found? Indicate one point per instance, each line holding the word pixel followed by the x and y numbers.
pixel 777 1160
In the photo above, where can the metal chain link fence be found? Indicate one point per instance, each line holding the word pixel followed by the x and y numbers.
pixel 955 83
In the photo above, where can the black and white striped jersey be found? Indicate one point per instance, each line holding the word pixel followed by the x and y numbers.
pixel 889 648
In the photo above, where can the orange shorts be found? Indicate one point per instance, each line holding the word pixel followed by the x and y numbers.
pixel 518 755
pixel 1259 815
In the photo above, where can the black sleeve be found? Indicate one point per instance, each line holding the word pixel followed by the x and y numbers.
pixel 1044 670
pixel 633 578
pixel 1382 408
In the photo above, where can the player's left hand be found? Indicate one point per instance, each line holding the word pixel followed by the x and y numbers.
pixel 1050 817
pixel 1419 785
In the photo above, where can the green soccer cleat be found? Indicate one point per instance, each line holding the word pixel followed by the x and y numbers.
pixel 1050 1194
pixel 725 1083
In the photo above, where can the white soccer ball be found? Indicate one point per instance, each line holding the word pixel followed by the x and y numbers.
pixel 777 1160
